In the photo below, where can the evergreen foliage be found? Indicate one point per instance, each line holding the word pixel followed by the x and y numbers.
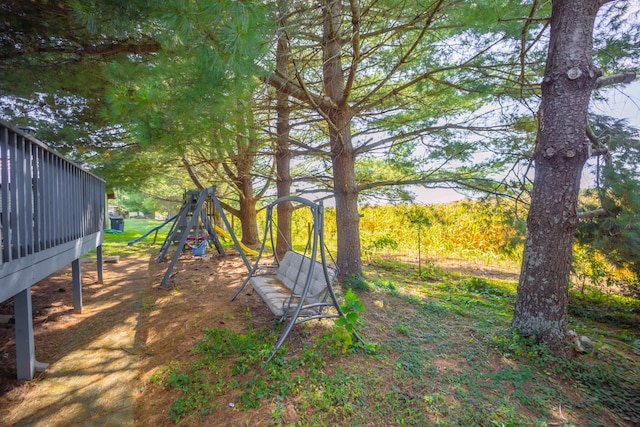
pixel 616 232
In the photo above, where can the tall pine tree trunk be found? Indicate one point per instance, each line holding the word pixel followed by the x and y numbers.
pixel 346 195
pixel 248 215
pixel 282 152
pixel 342 151
pixel 561 151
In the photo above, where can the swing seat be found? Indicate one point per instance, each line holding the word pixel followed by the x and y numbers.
pixel 299 288
pixel 282 291
pixel 199 249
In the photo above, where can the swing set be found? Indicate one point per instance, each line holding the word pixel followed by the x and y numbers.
pixel 298 287
pixel 193 229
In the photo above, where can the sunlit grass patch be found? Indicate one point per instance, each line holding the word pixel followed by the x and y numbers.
pixel 116 243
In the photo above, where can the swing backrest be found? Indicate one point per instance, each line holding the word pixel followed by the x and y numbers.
pixel 293 272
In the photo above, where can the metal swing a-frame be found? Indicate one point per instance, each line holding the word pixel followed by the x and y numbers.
pixel 298 287
pixel 193 220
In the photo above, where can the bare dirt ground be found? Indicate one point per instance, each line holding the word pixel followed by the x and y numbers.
pixel 91 354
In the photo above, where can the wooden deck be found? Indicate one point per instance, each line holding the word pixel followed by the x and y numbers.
pixel 51 213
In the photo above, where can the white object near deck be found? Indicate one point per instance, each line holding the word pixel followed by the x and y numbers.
pixel 51 213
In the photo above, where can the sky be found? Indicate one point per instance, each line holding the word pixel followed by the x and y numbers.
pixel 623 102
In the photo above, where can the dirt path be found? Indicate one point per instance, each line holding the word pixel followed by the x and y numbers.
pixel 101 360
pixel 91 378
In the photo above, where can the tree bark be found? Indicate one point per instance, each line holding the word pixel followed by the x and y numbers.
pixel 342 152
pixel 243 161
pixel 248 214
pixel 561 152
pixel 282 151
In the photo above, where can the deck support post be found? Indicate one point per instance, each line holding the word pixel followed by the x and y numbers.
pixel 25 348
pixel 99 262
pixel 77 285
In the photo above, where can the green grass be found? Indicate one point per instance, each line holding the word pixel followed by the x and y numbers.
pixel 445 357
pixel 117 243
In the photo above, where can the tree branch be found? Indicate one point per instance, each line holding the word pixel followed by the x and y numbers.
pixel 161 197
pixel 355 43
pixel 523 39
pixel 405 57
pixel 614 79
pixel 233 211
pixel 267 183
pixel 114 48
pixel 593 214
pixel 597 148
pixel 592 137
pixel 403 135
pixel 95 50
pixel 290 88
pixel 453 182
pixel 361 106
pixel 192 173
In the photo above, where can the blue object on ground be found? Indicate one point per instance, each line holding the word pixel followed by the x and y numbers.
pixel 199 249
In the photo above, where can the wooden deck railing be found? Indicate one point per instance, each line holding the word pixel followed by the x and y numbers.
pixel 51 213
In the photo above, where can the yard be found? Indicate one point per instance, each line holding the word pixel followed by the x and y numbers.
pixel 441 354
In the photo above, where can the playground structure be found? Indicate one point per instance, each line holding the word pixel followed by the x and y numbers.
pixel 192 227
pixel 51 213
